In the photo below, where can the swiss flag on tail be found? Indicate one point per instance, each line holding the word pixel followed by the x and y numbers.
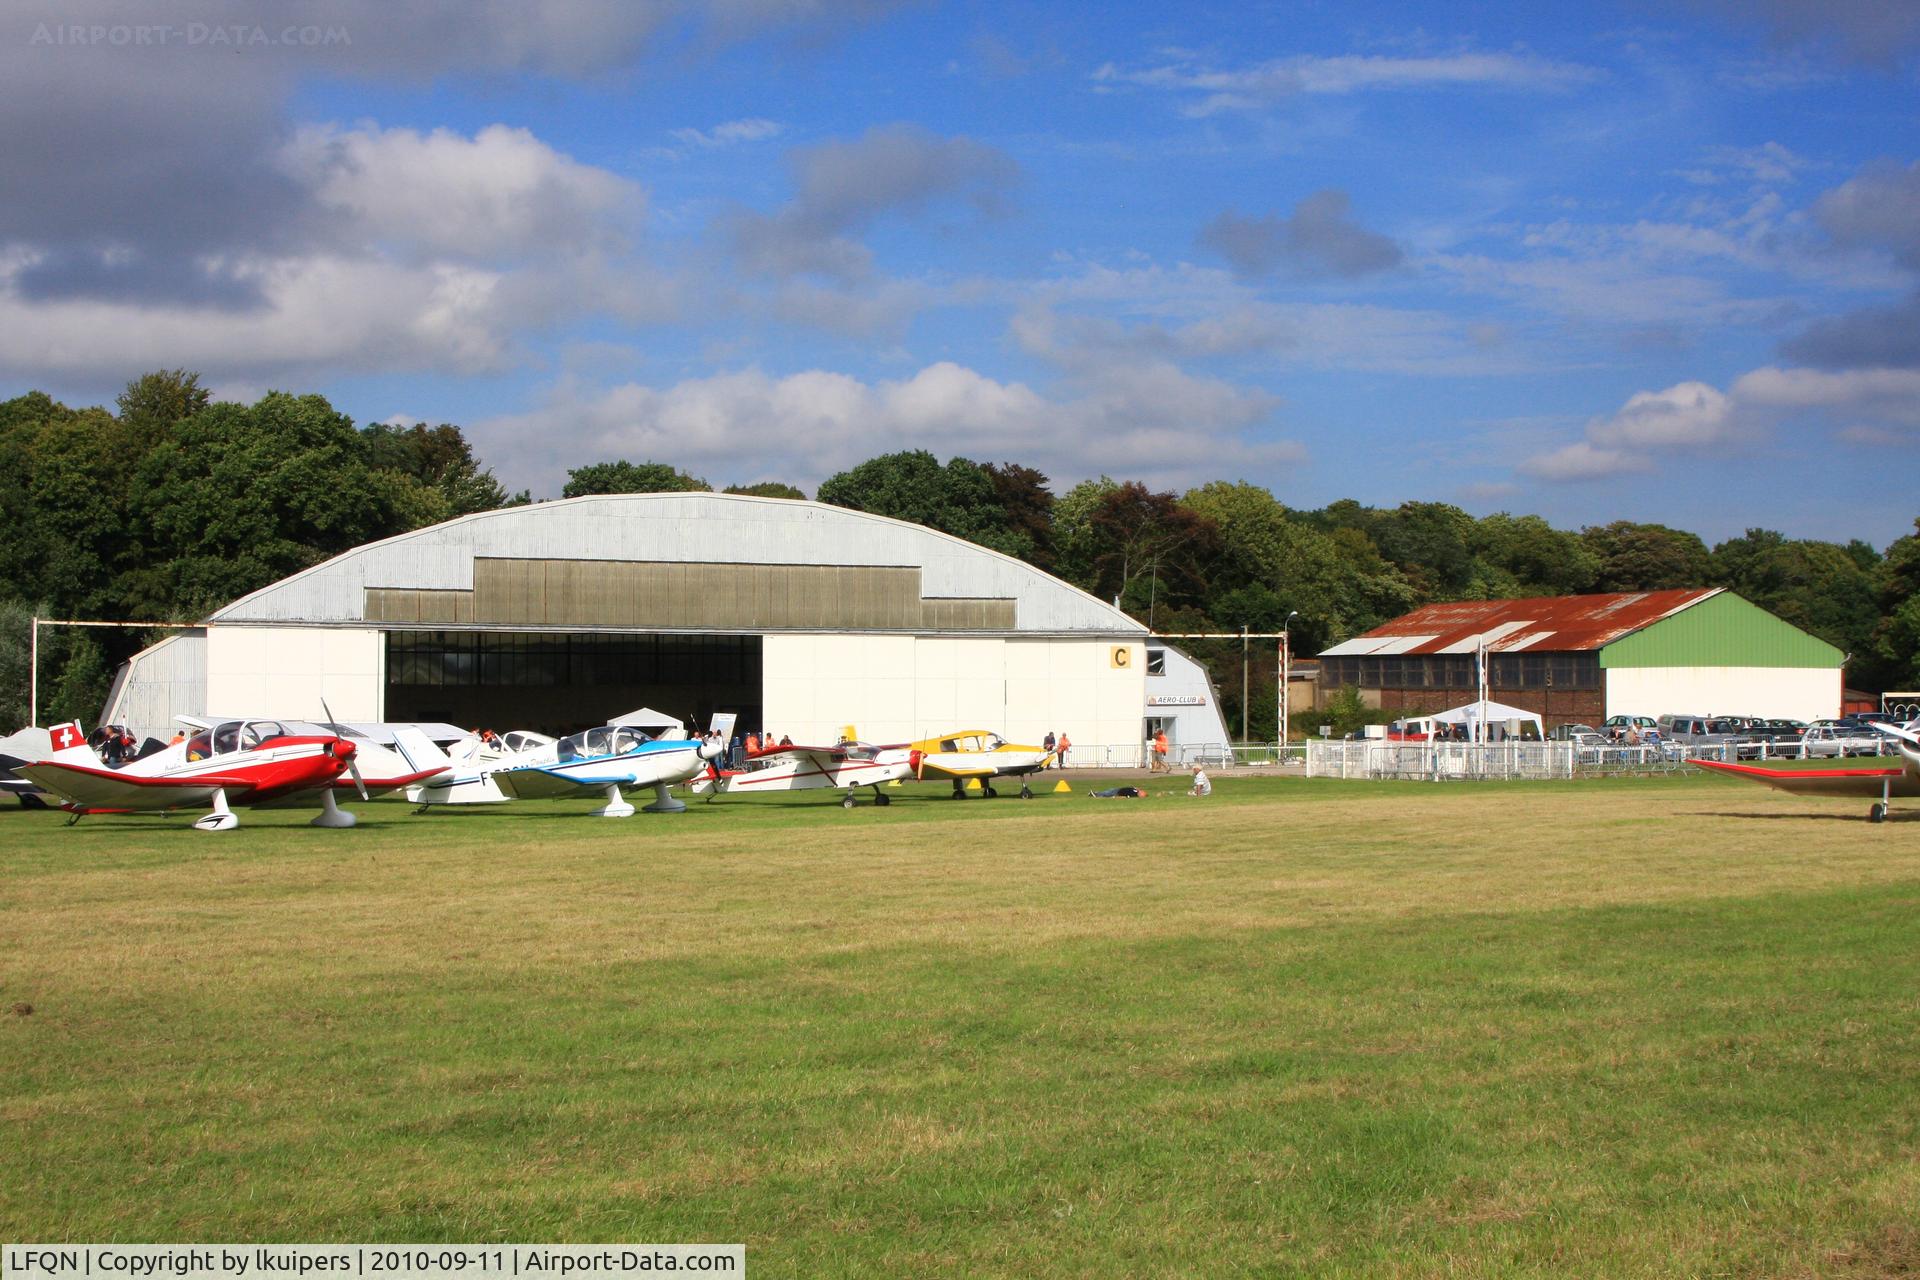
pixel 68 735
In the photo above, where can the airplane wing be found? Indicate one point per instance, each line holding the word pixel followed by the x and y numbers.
pixel 531 782
pixel 90 788
pixel 786 769
pixel 1824 782
pixel 822 756
pixel 956 771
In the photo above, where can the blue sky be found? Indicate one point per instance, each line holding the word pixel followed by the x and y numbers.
pixel 1594 261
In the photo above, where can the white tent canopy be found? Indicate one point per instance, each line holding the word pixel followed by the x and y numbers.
pixel 657 723
pixel 1471 714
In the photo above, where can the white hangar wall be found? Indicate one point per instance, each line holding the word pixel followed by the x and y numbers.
pixel 288 671
pixel 162 681
pixel 1791 693
pixel 903 688
pixel 1182 697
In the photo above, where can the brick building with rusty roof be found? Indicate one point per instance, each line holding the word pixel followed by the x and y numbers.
pixel 1580 659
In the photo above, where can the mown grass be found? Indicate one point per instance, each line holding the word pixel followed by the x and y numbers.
pixel 1660 1027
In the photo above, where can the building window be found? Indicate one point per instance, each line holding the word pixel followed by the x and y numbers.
pixel 436 659
pixel 1156 662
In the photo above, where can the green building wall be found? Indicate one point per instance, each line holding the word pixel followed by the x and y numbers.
pixel 1721 631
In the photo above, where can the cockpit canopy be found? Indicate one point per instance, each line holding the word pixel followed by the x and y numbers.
pixel 972 742
pixel 234 735
pixel 607 740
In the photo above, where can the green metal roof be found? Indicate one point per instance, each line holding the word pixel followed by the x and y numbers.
pixel 1721 631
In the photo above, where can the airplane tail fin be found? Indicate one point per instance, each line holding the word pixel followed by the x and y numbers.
pixel 69 742
pixel 419 751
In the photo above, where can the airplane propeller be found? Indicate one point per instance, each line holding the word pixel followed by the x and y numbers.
pixel 353 765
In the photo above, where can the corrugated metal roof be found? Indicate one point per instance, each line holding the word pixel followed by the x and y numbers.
pixel 1550 624
pixel 679 528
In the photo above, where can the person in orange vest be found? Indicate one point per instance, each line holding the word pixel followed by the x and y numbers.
pixel 1060 752
pixel 1160 751
pixel 753 742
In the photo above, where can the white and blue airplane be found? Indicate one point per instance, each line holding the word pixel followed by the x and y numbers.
pixel 598 761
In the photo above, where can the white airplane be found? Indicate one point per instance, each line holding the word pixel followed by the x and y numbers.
pixel 20 748
pixel 476 760
pixel 598 761
pixel 258 763
pixel 844 766
pixel 389 757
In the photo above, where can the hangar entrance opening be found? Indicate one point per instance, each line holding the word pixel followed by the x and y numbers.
pixel 562 682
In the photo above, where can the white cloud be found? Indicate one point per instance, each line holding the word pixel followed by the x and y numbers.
pixel 1769 164
pixel 1690 414
pixel 1891 395
pixel 1151 419
pixel 316 311
pixel 420 251
pixel 1582 460
pixel 1247 87
pixel 730 133
pixel 1866 406
pixel 500 193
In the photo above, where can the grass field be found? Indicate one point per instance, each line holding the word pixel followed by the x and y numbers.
pixel 1624 1028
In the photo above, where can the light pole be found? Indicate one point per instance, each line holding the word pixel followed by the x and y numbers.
pixel 1286 671
pixel 1246 730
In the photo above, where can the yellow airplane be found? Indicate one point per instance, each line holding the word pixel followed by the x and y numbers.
pixel 976 753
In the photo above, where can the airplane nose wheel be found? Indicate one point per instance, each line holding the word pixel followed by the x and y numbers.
pixel 846 802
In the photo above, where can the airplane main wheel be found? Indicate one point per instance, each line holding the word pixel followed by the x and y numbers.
pixel 1026 792
pixel 882 799
pixel 1878 813
pixel 846 802
pixel 989 792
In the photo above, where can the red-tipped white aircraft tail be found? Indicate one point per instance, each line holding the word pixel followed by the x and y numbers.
pixel 70 744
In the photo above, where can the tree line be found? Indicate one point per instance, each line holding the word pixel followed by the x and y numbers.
pixel 170 504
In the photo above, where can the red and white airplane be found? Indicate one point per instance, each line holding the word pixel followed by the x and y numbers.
pixel 1885 783
pixel 845 766
pixel 252 763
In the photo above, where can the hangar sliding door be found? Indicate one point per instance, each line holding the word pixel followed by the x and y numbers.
pixel 559 682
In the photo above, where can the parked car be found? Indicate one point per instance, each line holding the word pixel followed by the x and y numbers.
pixel 1616 727
pixel 1835 738
pixel 1576 733
pixel 1699 732
pixel 1758 735
pixel 1784 736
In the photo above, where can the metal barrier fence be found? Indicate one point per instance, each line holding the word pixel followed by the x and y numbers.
pixel 1375 758
pixel 1441 761
pixel 1436 761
